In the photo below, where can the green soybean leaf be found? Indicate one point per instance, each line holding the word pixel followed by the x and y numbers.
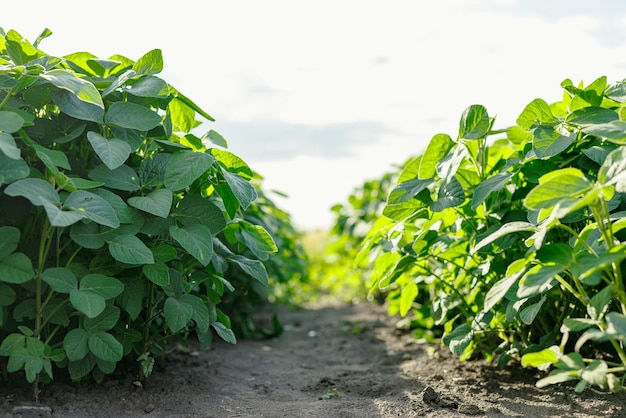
pixel 158 273
pixel 131 300
pixel 548 142
pixel 177 314
pixel 11 170
pixel 536 112
pixel 184 167
pixel 438 147
pixel 599 303
pixel 8 146
pixel 408 295
pixel 81 368
pixel 132 116
pixel 195 209
pixel 93 207
pixel 104 346
pixel 225 333
pixel 103 322
pixel 152 170
pixel 196 240
pixel 60 279
pixel 158 202
pixel 559 184
pixel 89 303
pixel 71 105
pixel 9 240
pixel 82 89
pixel 592 115
pixel 192 105
pixel 488 186
pixel 87 235
pixel 16 268
pixel 122 178
pixel 34 190
pixel 233 163
pixel 150 86
pixel 10 122
pixel 215 138
pixel 7 296
pixel 254 268
pixel 52 158
pixel 407 190
pixel 459 339
pixel 150 63
pixel 241 188
pixel 475 122
pixel 500 289
pixel 75 344
pixel 613 170
pixel 130 250
pixel 537 359
pixel 60 218
pixel 613 131
pixel 451 194
pixel 182 116
pixel 529 313
pixel 257 239
pixel 538 280
pixel 125 214
pixel 616 325
pixel 200 311
pixel 113 152
pixel 163 252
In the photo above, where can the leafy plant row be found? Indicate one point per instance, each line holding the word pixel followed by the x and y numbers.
pixel 511 242
pixel 120 229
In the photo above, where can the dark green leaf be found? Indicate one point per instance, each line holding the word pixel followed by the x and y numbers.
pixel 8 146
pixel 548 142
pixel 71 105
pixel 459 339
pixel 113 152
pixel 451 194
pixel 177 314
pixel 86 235
pixel 16 268
pixel 75 344
pixel 195 209
pixel 197 240
pixel 103 322
pixel 150 86
pixel 132 116
pixel 93 207
pixel 34 190
pixel 158 273
pixel 10 122
pixel 11 170
pixel 60 279
pixel 254 268
pixel 130 250
pixel 9 240
pixel 538 280
pixel 184 167
pixel 158 202
pixel 104 346
pixel 122 178
pixel 89 303
pixel 488 186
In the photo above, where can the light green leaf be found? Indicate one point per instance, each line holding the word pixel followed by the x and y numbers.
pixel 254 268
pixel 34 190
pixel 104 346
pixel 132 116
pixel 182 116
pixel 538 280
pixel 257 239
pixel 158 202
pixel 122 178
pixel 113 152
pixel 541 358
pixel 554 186
pixel 8 146
pixel 184 167
pixel 149 64
pixel 71 105
pixel 488 186
pixel 93 207
pixel 408 295
pixel 233 163
pixel 475 123
pixel 80 88
pixel 548 142
pixel 592 115
pixel 438 147
pixel 196 240
pixel 613 131
pixel 451 194
pixel 60 279
pixel 177 314
pixel 613 170
pixel 241 188
pixel 16 268
pixel 535 113
pixel 616 325
pixel 10 122
pixel 130 250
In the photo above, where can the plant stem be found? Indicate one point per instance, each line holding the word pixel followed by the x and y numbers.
pixel 44 247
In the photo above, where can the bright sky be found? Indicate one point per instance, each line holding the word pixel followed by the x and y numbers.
pixel 320 96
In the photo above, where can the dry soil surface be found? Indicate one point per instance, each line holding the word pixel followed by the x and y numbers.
pixel 334 360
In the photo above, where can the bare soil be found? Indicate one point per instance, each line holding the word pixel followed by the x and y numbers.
pixel 333 360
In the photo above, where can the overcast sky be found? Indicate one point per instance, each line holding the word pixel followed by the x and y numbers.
pixel 320 96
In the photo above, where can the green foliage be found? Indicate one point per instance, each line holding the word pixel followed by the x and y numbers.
pixel 120 228
pixel 512 241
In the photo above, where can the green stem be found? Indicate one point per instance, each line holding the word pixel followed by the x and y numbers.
pixel 6 98
pixel 146 325
pixel 44 248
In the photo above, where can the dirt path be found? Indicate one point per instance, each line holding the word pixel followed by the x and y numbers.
pixel 334 361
